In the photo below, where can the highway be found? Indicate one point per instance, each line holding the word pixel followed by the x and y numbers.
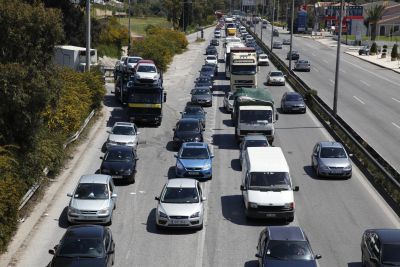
pixel 334 213
pixel 369 96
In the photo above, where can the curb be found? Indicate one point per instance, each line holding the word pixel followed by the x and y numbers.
pixel 396 70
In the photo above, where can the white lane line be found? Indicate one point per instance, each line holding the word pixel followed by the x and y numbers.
pixel 313 54
pixel 367 84
pixel 396 125
pixel 359 100
pixel 396 99
pixel 342 71
pixel 331 81
pixel 326 61
pixel 316 70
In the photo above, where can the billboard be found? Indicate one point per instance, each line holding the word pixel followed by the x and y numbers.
pixel 301 21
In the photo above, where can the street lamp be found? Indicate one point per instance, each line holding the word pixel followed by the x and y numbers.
pixel 87 35
pixel 129 26
pixel 291 36
pixel 272 24
pixel 335 94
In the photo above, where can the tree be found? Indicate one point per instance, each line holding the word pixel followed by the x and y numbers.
pixel 374 14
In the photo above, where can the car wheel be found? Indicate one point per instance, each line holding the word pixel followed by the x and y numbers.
pixel 363 260
pixel 131 179
pixel 317 171
pixel 109 223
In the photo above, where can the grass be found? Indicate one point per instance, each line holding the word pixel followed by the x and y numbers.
pixel 138 25
pixel 378 38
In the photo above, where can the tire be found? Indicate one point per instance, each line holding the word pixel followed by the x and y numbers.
pixel 317 171
pixel 131 179
pixel 109 223
pixel 362 260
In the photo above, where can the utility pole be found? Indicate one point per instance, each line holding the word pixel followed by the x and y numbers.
pixel 335 94
pixel 129 27
pixel 291 36
pixel 87 35
pixel 272 24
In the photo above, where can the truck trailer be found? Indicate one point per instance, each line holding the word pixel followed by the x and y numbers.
pixel 243 67
pixel 73 57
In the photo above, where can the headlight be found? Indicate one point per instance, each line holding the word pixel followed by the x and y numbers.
pixel 162 214
pixel 105 171
pixel 289 205
pixel 347 168
pixel 73 210
pixel 195 215
pixel 323 167
pixel 207 166
pixel 179 165
pixel 103 211
pixel 253 205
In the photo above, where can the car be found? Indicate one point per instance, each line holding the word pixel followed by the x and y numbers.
pixel 364 50
pixel 275 77
pixel 208 70
pixel 217 33
pixel 295 55
pixel 302 65
pixel 211 50
pixel 146 73
pixel 264 24
pixel 263 60
pixel 187 130
pixel 211 59
pixel 380 247
pixel 330 159
pixel 120 163
pixel 249 38
pixel 194 112
pixel 286 41
pixel 292 102
pixel 275 33
pixel 123 134
pixel 244 35
pixel 252 140
pixel 180 204
pixel 84 245
pixel 93 200
pixel 285 246
pixel 277 45
pixel 228 102
pixel 214 42
pixel 130 63
pixel 201 96
pixel 204 81
pixel 194 160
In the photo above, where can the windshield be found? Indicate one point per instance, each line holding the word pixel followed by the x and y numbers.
pixel 202 92
pixel 294 98
pixel 269 179
pixel 147 69
pixel 211 58
pixel 289 250
pixel 91 191
pixel 256 143
pixel 118 156
pixel 133 59
pixel 276 74
pixel 263 57
pixel 333 152
pixel 188 126
pixel 255 116
pixel 81 247
pixel 194 153
pixel 207 69
pixel 180 195
pixel 145 98
pixel 243 70
pixel 193 111
pixel 390 253
pixel 123 130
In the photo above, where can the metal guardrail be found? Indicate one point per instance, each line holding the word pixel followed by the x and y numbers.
pixel 36 186
pixel 384 177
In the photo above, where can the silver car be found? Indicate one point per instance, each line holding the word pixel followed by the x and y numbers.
pixel 277 45
pixel 253 140
pixel 123 134
pixel 93 200
pixel 228 102
pixel 275 77
pixel 302 65
pixel 329 158
pixel 180 204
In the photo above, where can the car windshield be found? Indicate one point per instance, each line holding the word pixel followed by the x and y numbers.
pixel 91 191
pixel 255 143
pixel 180 195
pixel 133 59
pixel 302 62
pixel 332 152
pixel 390 253
pixel 276 74
pixel 118 156
pixel 147 69
pixel 194 153
pixel 255 116
pixel 201 92
pixel 288 250
pixel 188 126
pixel 243 69
pixel 207 69
pixel 293 98
pixel 211 58
pixel 263 57
pixel 123 130
pixel 81 247
pixel 269 179
pixel 193 111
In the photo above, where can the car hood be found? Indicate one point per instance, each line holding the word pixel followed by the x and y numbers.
pixel 270 197
pixel 89 204
pixel 211 62
pixel 194 163
pixel 187 134
pixel 275 78
pixel 122 138
pixel 294 103
pixel 201 97
pixel 289 263
pixel 184 209
pixel 335 162
pixel 147 75
pixel 117 166
pixel 78 262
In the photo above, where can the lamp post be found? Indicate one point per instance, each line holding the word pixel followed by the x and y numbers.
pixel 87 35
pixel 335 94
pixel 129 26
pixel 291 36
pixel 272 24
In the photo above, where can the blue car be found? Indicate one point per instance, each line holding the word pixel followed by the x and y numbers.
pixel 194 159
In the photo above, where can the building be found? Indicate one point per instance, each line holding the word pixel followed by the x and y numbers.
pixel 389 25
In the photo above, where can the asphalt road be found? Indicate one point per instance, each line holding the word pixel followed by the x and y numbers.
pixel 333 213
pixel 369 96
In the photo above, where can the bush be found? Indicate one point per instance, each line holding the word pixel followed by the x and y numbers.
pixel 374 48
pixel 394 53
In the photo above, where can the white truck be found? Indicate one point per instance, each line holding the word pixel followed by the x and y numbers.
pixel 73 57
pixel 243 67
pixel 229 46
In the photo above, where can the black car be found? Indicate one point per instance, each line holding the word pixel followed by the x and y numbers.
pixel 208 70
pixel 188 130
pixel 292 102
pixel 195 112
pixel 214 42
pixel 295 55
pixel 84 245
pixel 285 246
pixel 211 50
pixel 201 96
pixel 204 81
pixel 275 33
pixel 120 163
pixel 380 247
pixel 364 50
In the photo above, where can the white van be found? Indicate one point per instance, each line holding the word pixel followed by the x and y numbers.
pixel 266 184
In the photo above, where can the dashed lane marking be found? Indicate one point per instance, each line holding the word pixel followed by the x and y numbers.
pixel 358 99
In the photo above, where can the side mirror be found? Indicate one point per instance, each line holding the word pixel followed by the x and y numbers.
pixel 137 133
pixel 108 131
pixel 203 198
pixel 51 251
pixel 110 251
pixel 276 116
pixel 318 256
pixel 296 188
pixel 373 259
pixel 175 156
pixel 243 188
pixel 315 154
pixel 212 156
pixel 181 112
pixel 174 129
pixel 101 157
pixel 69 195
pixel 258 255
pixel 157 198
pixel 114 195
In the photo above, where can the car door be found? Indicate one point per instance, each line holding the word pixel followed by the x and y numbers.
pixel 283 100
pixel 245 192
pixel 261 246
pixel 112 191
pixel 373 247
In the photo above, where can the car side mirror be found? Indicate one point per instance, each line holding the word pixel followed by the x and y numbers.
pixel 315 154
pixel 296 188
pixel 181 112
pixel 51 251
pixel 175 156
pixel 373 259
pixel 101 157
pixel 276 116
pixel 318 256
pixel 203 198
pixel 212 156
pixel 137 133
pixel 157 198
pixel 69 195
pixel 114 195
pixel 243 188
pixel 174 129
pixel 110 251
pixel 108 131
pixel 258 255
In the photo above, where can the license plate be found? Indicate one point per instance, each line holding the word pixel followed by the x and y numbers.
pixel 295 108
pixel 178 222
pixel 270 215
pixel 193 173
pixel 117 176
pixel 336 172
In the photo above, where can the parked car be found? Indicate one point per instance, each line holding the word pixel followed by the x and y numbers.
pixel 292 102
pixel 275 77
pixel 194 160
pixel 263 60
pixel 329 158
pixel 364 50
pixel 123 134
pixel 195 112
pixel 285 246
pixel 214 42
pixel 380 247
pixel 187 130
pixel 295 55
pixel 302 65
pixel 204 81
pixel 93 200
pixel 277 45
pixel 84 245
pixel 286 41
pixel 228 102
pixel 201 96
pixel 180 204
pixel 252 140
pixel 120 163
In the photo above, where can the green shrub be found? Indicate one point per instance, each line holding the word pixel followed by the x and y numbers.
pixel 111 50
pixel 374 48
pixel 394 53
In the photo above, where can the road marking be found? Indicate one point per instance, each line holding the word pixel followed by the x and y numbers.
pixel 142 192
pixel 396 125
pixel 396 99
pixel 332 82
pixel 132 193
pixel 316 70
pixel 326 61
pixel 362 102
pixel 367 84
pixel 313 54
pixel 342 71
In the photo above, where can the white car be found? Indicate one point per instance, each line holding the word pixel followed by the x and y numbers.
pixel 180 204
pixel 217 34
pixel 146 72
pixel 263 60
pixel 130 63
pixel 123 134
pixel 275 77
pixel 211 59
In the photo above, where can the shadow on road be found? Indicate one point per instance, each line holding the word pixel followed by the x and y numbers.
pixel 227 123
pixel 63 219
pixel 225 141
pixel 171 146
pixel 253 263
pixel 171 172
pixel 354 264
pixel 117 114
pixel 111 101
